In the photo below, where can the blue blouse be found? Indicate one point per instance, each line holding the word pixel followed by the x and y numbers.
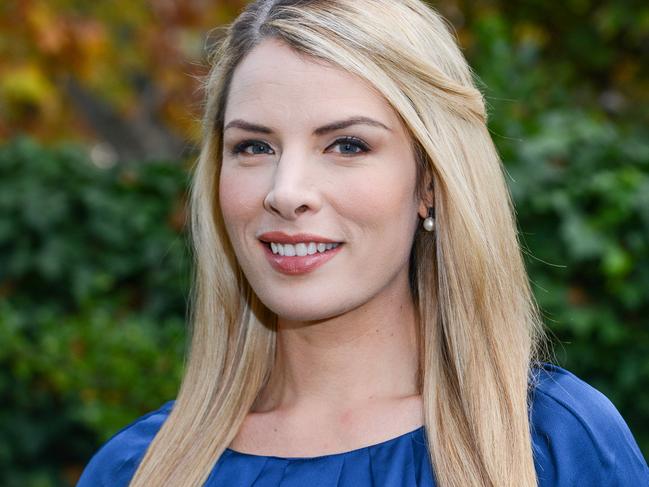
pixel 579 439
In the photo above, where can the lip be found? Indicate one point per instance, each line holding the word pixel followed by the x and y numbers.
pixel 298 264
pixel 284 238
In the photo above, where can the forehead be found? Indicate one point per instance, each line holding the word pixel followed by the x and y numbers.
pixel 275 82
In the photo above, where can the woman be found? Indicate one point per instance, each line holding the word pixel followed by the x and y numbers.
pixel 360 297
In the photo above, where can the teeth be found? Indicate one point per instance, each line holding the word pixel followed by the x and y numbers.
pixel 301 249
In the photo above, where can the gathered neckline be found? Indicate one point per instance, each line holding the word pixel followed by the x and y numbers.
pixel 330 455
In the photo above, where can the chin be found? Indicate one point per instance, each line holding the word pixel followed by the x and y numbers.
pixel 303 313
pixel 306 309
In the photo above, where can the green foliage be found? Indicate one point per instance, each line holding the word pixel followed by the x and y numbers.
pixel 93 285
pixel 581 187
pixel 578 171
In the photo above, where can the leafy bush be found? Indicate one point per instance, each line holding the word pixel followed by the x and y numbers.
pixel 579 175
pixel 94 274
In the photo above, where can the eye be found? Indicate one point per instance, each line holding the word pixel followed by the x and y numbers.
pixel 257 147
pixel 350 146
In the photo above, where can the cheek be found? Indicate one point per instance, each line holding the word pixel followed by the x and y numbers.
pixel 239 196
pixel 383 201
pixel 385 210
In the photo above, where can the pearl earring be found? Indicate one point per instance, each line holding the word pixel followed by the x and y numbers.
pixel 429 221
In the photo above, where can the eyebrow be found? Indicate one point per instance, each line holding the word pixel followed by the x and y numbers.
pixel 330 127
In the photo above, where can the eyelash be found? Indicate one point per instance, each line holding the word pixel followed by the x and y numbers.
pixel 355 141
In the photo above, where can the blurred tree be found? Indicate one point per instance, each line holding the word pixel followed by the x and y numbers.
pixel 124 73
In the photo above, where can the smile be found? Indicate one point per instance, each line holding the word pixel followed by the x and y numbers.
pixel 299 253
pixel 293 263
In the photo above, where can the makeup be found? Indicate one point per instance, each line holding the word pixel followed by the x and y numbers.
pixel 297 264
pixel 297 254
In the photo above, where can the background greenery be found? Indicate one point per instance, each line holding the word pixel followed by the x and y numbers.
pixel 94 262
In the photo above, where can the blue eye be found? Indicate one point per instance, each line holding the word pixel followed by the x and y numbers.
pixel 350 146
pixel 257 146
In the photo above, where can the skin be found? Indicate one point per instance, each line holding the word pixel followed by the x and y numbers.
pixel 347 352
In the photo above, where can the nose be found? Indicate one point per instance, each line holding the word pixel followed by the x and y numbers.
pixel 293 191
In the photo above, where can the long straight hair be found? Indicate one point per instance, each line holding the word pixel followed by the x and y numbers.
pixel 479 327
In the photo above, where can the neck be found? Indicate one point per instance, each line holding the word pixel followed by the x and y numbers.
pixel 367 354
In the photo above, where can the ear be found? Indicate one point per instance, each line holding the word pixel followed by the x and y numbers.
pixel 428 199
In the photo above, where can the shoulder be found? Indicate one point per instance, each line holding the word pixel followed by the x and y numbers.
pixel 115 462
pixel 579 437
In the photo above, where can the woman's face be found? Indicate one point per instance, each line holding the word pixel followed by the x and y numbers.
pixel 314 155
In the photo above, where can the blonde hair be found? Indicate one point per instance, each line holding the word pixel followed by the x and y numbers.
pixel 479 326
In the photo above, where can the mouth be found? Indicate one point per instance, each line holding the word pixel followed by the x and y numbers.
pixel 299 257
